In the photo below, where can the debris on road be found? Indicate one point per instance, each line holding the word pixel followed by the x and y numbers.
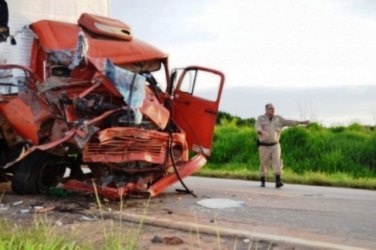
pixel 25 211
pixel 174 240
pixel 40 209
pixel 3 207
pixel 168 211
pixel 157 239
pixel 54 191
pixel 87 218
pixel 17 203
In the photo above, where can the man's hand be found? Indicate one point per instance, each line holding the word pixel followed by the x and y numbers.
pixel 305 122
pixel 262 133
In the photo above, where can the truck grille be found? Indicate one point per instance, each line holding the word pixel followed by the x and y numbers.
pixel 124 144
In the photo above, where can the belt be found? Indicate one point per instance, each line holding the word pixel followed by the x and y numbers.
pixel 266 144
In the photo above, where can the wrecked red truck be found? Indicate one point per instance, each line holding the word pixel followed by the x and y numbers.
pixel 91 114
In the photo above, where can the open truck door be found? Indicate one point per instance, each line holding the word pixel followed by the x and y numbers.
pixel 195 105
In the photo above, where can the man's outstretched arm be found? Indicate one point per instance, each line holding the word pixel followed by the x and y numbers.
pixel 289 123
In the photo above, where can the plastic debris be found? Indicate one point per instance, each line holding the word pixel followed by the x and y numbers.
pixel 17 203
pixel 58 223
pixel 86 218
pixel 221 203
pixel 3 207
pixel 246 241
pixel 43 209
pixel 25 211
pixel 58 192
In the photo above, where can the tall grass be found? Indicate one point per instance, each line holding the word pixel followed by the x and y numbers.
pixel 41 235
pixel 349 150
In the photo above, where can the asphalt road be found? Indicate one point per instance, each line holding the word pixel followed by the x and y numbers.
pixel 335 215
pixel 339 216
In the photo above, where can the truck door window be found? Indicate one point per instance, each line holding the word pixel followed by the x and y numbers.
pixel 160 76
pixel 201 84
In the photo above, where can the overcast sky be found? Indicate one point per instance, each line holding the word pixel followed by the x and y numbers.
pixel 303 45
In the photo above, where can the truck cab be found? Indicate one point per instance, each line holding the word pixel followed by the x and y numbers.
pixel 103 104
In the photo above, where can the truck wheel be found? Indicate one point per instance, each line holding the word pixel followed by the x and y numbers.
pixel 37 173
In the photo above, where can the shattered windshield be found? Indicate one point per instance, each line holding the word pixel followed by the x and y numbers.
pixel 154 70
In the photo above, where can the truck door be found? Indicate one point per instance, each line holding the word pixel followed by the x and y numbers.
pixel 195 105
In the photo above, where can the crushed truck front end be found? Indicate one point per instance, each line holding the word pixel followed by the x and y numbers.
pixel 92 100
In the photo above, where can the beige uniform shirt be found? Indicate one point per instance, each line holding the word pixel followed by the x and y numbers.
pixel 273 128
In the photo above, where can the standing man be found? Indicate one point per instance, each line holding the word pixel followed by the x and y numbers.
pixel 269 128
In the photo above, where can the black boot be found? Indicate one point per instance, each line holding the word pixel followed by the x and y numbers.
pixel 262 179
pixel 278 182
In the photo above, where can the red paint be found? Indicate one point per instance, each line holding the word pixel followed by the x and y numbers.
pixel 63 114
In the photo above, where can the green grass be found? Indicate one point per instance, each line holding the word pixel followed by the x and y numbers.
pixel 337 156
pixel 243 172
pixel 40 235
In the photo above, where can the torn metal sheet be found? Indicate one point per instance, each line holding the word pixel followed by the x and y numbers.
pixel 68 57
pixel 81 49
pixel 68 135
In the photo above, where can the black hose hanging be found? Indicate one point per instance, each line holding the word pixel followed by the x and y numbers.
pixel 174 164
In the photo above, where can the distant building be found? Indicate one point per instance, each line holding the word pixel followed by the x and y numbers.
pixel 24 12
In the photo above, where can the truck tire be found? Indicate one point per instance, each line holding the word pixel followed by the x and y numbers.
pixel 36 173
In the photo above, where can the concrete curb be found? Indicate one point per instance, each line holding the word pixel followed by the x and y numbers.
pixel 227 232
